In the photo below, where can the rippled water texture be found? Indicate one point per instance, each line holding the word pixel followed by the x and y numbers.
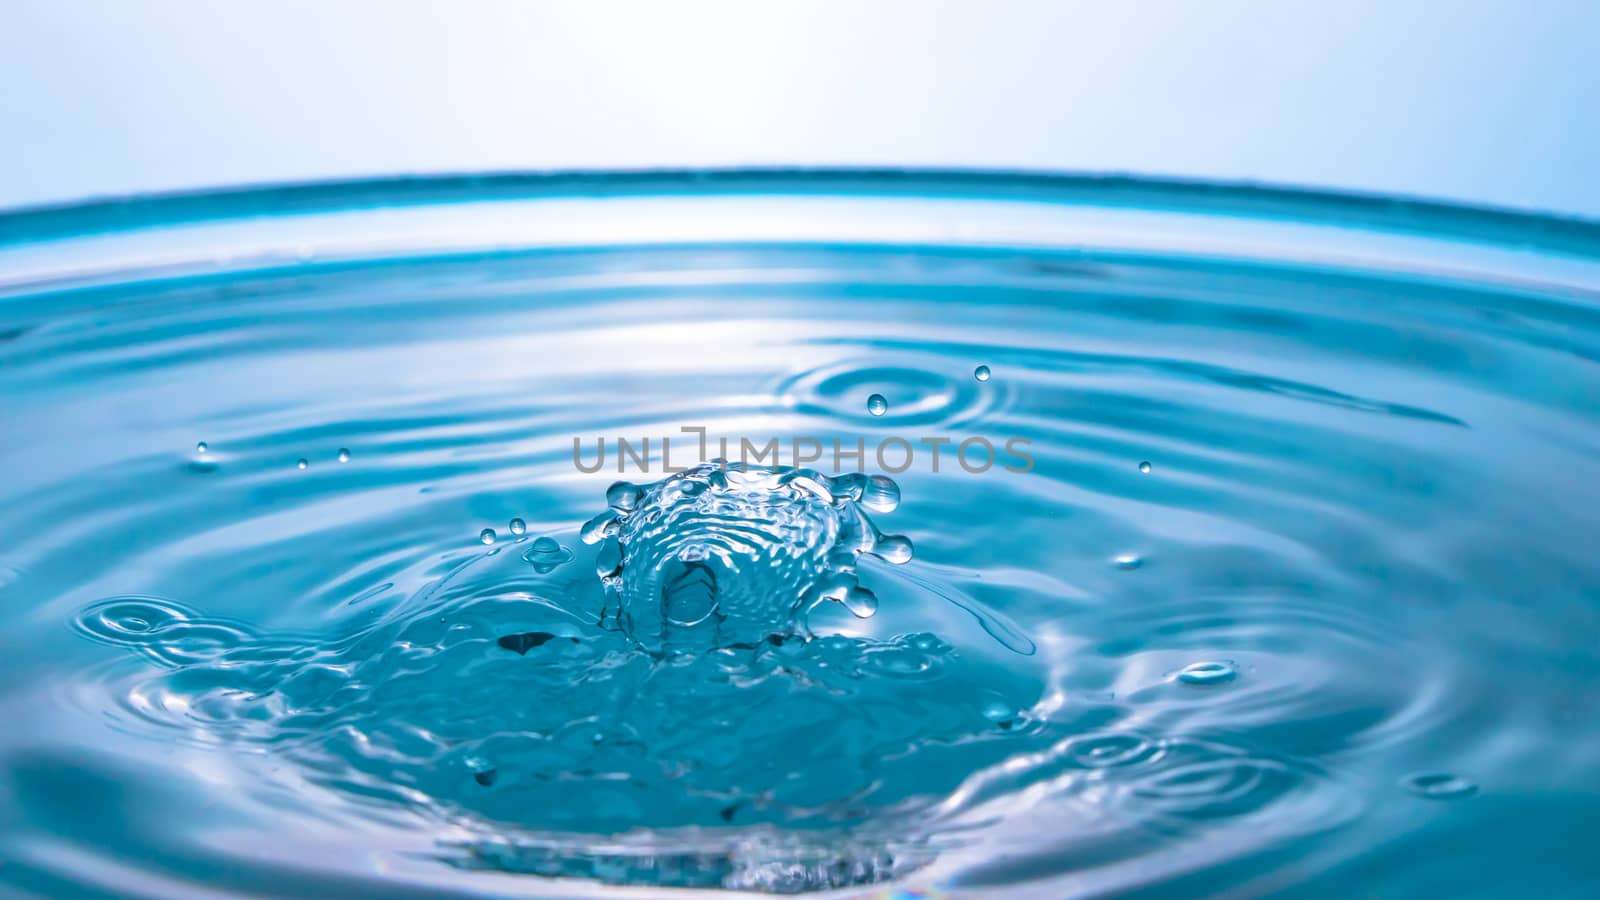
pixel 1297 594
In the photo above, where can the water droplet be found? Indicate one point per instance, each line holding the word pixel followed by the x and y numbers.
pixel 981 373
pixel 877 405
pixel 1128 561
pixel 486 535
pixel 1144 467
pixel 518 526
pixel 894 548
pixel 1439 786
pixel 303 464
pixel 545 554
pixel 1206 673
pixel 201 447
pixel 344 454
pixel 881 494
pixel 623 496
pixel 861 602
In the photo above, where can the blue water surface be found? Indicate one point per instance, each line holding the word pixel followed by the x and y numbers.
pixel 1281 578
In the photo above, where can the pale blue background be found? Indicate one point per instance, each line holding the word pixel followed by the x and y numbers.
pixel 1475 100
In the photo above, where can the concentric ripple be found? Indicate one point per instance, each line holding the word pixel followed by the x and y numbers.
pixel 1282 574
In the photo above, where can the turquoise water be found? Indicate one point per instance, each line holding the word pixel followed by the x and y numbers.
pixel 1281 578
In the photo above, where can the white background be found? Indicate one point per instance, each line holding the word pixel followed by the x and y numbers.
pixel 1474 100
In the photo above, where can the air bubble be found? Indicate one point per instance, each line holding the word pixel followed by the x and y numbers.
pixel 518 526
pixel 1206 673
pixel 981 373
pixel 486 535
pixel 877 405
pixel 1127 561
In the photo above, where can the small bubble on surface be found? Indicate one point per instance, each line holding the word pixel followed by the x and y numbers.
pixel 997 710
pixel 201 447
pixel 344 454
pixel 981 373
pixel 1127 561
pixel 545 554
pixel 302 463
pixel 483 771
pixel 1439 786
pixel 1206 673
pixel 518 527
pixel 877 405
pixel 486 535
pixel 1144 467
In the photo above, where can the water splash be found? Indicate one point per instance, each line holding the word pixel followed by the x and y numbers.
pixel 723 555
pixel 1365 400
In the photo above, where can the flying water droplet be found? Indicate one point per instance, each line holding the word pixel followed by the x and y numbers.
pixel 1207 673
pixel 201 447
pixel 344 454
pixel 1144 467
pixel 302 463
pixel 518 526
pixel 981 373
pixel 1128 561
pixel 877 405
pixel 1439 786
pixel 486 535
pixel 881 494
